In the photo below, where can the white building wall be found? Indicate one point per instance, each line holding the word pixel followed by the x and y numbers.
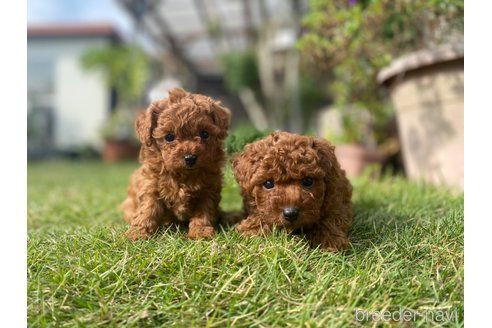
pixel 80 99
pixel 81 104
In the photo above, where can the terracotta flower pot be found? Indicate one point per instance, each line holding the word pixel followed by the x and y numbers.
pixel 119 150
pixel 426 89
pixel 354 158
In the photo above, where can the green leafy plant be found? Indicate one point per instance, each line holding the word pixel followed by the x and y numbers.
pixel 125 67
pixel 312 90
pixel 120 126
pixel 126 70
pixel 354 40
pixel 241 136
pixel 240 70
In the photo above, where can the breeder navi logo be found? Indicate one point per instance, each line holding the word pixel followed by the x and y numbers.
pixel 401 314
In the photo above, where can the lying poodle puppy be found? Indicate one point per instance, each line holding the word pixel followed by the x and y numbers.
pixel 182 157
pixel 295 182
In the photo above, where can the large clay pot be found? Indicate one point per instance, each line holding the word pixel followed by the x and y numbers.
pixel 426 89
pixel 119 150
pixel 354 159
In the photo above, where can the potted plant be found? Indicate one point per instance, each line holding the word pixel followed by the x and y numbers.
pixel 121 142
pixel 355 40
pixel 426 87
pixel 336 40
pixel 126 69
pixel 351 129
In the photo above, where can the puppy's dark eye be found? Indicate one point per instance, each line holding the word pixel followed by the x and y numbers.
pixel 307 182
pixel 268 184
pixel 169 137
pixel 204 134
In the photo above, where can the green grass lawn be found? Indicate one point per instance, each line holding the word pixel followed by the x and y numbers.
pixel 407 253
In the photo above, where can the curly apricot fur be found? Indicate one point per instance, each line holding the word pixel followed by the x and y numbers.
pixel 325 207
pixel 165 190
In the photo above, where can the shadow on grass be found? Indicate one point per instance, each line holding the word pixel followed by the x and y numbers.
pixel 181 229
pixel 374 225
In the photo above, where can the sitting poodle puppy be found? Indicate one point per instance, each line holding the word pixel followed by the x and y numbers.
pixel 295 182
pixel 182 156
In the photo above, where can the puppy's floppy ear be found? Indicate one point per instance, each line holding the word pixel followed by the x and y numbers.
pixel 145 124
pixel 221 116
pixel 243 166
pixel 335 176
pixel 337 205
pixel 326 153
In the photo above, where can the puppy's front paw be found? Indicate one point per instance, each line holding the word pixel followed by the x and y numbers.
pixel 336 245
pixel 135 234
pixel 246 230
pixel 200 232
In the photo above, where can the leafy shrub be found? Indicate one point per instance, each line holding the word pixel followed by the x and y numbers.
pixel 120 126
pixel 125 67
pixel 240 71
pixel 241 136
pixel 354 40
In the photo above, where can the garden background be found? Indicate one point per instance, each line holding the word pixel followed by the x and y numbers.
pixel 382 80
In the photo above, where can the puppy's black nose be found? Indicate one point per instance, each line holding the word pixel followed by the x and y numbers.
pixel 190 160
pixel 291 213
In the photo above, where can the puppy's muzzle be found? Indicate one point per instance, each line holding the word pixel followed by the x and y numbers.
pixel 290 213
pixel 190 160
